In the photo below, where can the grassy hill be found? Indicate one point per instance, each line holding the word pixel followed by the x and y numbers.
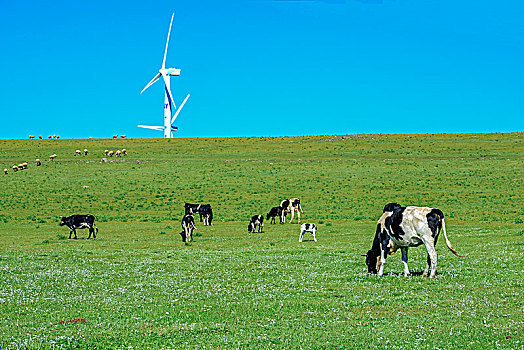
pixel 138 285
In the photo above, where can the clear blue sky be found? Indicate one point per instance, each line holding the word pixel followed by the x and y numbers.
pixel 262 68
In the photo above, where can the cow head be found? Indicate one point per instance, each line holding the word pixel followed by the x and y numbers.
pixel 372 261
pixel 250 227
pixel 62 221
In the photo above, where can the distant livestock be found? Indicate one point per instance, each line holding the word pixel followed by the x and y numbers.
pixel 20 166
pixel 204 210
pixel 78 152
pixel 291 206
pixel 38 162
pixel 115 136
pixel 257 220
pixel 188 226
pixel 15 168
pixel 49 137
pixel 57 137
pixel 106 152
pixel 5 171
pixel 85 151
pixel 273 213
pixel 40 137
pixel 312 228
pixel 52 157
pixel 31 136
pixel 111 153
pixel 123 136
pixel 24 165
pixel 118 153
pixel 124 152
pixel 75 222
pixel 404 227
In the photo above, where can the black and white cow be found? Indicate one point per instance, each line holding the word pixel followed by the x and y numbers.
pixel 273 213
pixel 206 213
pixel 74 222
pixel 404 227
pixel 291 206
pixel 188 225
pixel 312 228
pixel 257 220
pixel 201 209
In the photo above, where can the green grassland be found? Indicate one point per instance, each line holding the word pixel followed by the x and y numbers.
pixel 137 286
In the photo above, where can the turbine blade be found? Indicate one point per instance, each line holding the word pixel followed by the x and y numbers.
pixel 179 109
pixel 152 82
pixel 151 127
pixel 167 42
pixel 168 90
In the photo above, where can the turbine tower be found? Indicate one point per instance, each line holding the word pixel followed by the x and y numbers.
pixel 169 103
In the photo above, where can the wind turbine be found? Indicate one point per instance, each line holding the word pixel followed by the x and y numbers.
pixel 169 103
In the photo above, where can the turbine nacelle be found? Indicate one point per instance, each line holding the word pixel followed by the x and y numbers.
pixel 174 72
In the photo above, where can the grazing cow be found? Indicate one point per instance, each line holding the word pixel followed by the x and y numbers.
pixel 20 166
pixel 206 213
pixel 78 152
pixel 188 225
pixel 85 151
pixel 106 152
pixel 111 153
pixel 31 136
pixel 40 137
pixel 24 164
pixel 5 171
pixel 15 168
pixel 52 157
pixel 273 213
pixel 49 136
pixel 74 222
pixel 118 153
pixel 308 228
pixel 115 136
pixel 291 206
pixel 38 162
pixel 257 220
pixel 404 227
pixel 123 136
pixel 124 152
pixel 57 137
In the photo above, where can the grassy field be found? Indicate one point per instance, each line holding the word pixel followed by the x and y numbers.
pixel 137 286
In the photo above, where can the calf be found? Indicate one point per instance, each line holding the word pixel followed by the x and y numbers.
pixel 257 220
pixel 308 228
pixel 74 222
pixel 188 225
pixel 273 213
pixel 291 206
pixel 404 227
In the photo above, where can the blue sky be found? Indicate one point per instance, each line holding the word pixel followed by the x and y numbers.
pixel 262 68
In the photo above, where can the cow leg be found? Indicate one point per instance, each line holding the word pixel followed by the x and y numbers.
pixel 74 231
pixel 383 256
pixel 432 255
pixel 428 265
pixel 404 251
pixel 298 214
pixel 292 215
pixel 301 235
pixel 90 231
pixel 313 233
pixel 70 233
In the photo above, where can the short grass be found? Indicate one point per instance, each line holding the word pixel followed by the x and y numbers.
pixel 138 286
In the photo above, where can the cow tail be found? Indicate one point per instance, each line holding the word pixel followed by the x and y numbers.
pixel 448 243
